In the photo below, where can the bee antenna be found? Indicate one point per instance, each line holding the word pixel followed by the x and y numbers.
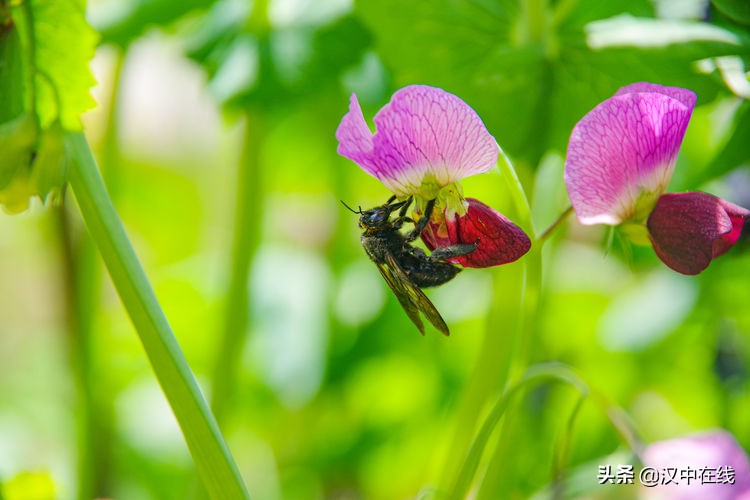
pixel 359 211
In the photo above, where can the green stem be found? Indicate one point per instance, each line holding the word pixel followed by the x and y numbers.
pixel 562 452
pixel 503 344
pixel 28 13
pixel 247 221
pixel 533 376
pixel 536 21
pixel 213 460
pixel 532 279
pixel 96 414
pixel 78 306
pixel 518 345
pixel 547 232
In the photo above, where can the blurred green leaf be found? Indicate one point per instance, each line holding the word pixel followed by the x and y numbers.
pixel 11 73
pixel 734 153
pixel 17 138
pixel 29 486
pixel 248 65
pixel 51 163
pixel 129 20
pixel 737 10
pixel 532 74
pixel 59 44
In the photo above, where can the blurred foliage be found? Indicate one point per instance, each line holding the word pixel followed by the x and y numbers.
pixel 532 72
pixel 253 61
pixel 337 394
pixel 737 10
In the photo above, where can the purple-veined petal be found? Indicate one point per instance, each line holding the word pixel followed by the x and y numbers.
pixel 355 139
pixel 689 230
pixel 685 96
pixel 621 155
pixel 715 457
pixel 499 241
pixel 423 134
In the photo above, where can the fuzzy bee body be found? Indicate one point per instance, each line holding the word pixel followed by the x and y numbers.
pixel 406 268
pixel 421 269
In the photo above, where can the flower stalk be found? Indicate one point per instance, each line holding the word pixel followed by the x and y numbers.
pixel 245 242
pixel 533 376
pixel 504 351
pixel 621 157
pixel 212 457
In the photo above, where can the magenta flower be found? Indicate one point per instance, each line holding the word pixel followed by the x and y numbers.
pixel 427 140
pixel 708 465
pixel 620 159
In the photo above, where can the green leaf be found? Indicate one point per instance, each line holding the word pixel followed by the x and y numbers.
pixel 17 139
pixel 688 38
pixel 248 65
pixel 60 44
pixel 29 486
pixel 737 10
pixel 531 73
pixel 51 163
pixel 734 153
pixel 11 73
pixel 133 18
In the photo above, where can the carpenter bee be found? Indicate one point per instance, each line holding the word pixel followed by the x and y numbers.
pixel 404 267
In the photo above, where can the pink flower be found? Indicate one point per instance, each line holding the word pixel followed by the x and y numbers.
pixel 709 465
pixel 427 140
pixel 620 159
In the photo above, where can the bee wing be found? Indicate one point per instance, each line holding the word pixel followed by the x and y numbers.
pixel 412 299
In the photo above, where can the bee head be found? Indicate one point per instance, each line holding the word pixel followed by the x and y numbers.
pixel 376 218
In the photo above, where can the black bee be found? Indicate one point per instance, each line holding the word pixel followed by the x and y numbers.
pixel 404 267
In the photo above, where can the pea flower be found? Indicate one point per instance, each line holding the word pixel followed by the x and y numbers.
pixel 707 465
pixel 427 140
pixel 620 159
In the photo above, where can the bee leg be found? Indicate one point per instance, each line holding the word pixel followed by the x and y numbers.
pixel 451 251
pixel 397 223
pixel 417 252
pixel 407 204
pixel 422 223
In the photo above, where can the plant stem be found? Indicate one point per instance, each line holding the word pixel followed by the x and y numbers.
pixel 213 460
pixel 522 335
pixel 28 14
pixel 532 279
pixel 78 325
pixel 546 233
pixel 534 375
pixel 247 221
pixel 502 349
pixel 536 22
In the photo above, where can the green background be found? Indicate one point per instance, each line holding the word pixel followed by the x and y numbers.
pixel 215 133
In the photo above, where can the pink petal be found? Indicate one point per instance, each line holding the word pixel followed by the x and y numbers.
pixel 688 230
pixel 355 139
pixel 705 454
pixel 499 240
pixel 423 132
pixel 685 96
pixel 622 153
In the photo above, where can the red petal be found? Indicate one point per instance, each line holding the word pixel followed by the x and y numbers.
pixel 740 218
pixel 688 230
pixel 499 240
